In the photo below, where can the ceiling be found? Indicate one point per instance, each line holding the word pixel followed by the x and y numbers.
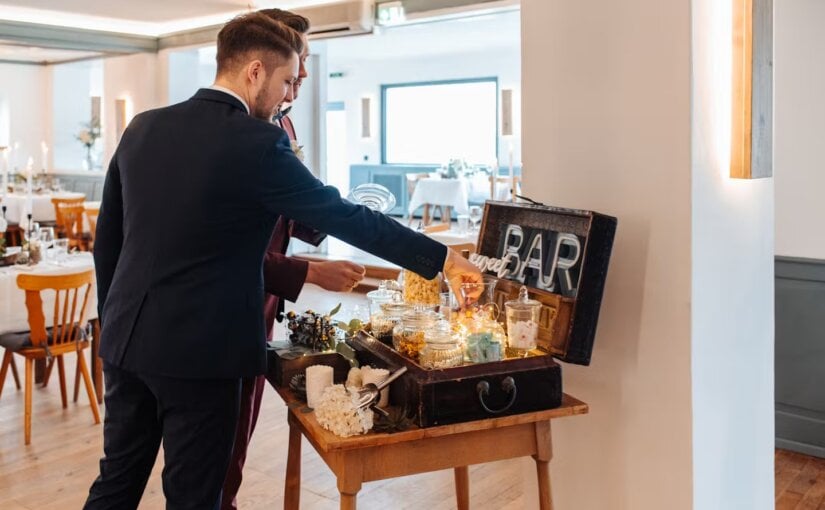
pixel 137 17
pixel 470 34
pixel 36 55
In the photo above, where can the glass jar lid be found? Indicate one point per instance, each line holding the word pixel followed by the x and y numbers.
pixel 523 301
pixel 440 336
pixel 387 291
pixel 419 319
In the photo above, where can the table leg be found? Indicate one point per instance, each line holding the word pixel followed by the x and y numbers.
pixel 40 371
pixel 462 488
pixel 349 478
pixel 544 453
pixel 292 485
pixel 97 364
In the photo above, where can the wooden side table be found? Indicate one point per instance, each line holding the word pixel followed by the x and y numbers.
pixel 359 459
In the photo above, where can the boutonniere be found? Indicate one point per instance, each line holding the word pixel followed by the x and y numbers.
pixel 298 150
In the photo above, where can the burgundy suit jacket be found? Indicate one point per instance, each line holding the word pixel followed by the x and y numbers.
pixel 284 276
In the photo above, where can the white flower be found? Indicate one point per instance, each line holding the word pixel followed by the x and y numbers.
pixel 298 150
pixel 85 137
pixel 337 413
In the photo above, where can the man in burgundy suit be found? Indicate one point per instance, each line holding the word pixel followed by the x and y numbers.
pixel 283 279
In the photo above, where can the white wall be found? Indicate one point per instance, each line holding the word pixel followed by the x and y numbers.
pixel 134 78
pixel 606 122
pixel 24 113
pixel 799 113
pixel 732 304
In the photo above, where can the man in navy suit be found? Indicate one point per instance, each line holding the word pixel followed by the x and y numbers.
pixel 189 205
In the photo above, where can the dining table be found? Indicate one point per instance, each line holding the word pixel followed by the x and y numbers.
pixel 42 207
pixel 13 312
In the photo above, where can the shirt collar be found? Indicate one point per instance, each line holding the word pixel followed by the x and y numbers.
pixel 231 93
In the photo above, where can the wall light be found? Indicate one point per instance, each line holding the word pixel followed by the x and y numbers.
pixel 752 92
pixel 123 115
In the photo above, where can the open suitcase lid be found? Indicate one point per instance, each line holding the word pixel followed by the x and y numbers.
pixel 562 256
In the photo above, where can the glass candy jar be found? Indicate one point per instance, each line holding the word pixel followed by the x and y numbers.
pixel 441 349
pixel 522 324
pixel 408 335
pixel 386 318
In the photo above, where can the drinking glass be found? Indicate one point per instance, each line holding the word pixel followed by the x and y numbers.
pixel 61 249
pixel 463 223
pixel 46 239
pixel 475 216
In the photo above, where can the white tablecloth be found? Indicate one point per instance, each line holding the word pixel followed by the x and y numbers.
pixel 452 192
pixel 42 207
pixel 13 314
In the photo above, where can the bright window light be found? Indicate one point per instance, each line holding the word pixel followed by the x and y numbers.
pixel 436 122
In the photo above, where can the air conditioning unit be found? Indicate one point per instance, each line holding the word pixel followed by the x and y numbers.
pixel 350 17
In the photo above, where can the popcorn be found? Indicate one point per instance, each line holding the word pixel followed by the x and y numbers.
pixel 420 291
pixel 337 413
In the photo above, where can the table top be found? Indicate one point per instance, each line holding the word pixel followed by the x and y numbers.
pixel 13 313
pixel 327 441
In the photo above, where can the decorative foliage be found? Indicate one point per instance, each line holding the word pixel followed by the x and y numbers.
pixel 396 421
pixel 312 329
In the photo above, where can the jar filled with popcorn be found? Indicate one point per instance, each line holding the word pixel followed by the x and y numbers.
pixel 420 291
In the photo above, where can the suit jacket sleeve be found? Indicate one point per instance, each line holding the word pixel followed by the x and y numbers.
pixel 307 234
pixel 289 189
pixel 284 276
pixel 109 234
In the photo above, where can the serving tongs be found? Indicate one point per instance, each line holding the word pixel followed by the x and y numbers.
pixel 369 394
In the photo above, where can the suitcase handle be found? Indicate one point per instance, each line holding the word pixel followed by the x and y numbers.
pixel 508 385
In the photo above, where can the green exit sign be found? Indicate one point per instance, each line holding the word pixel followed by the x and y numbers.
pixel 336 75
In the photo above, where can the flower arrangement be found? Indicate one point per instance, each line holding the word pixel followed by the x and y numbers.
pixel 454 169
pixel 298 150
pixel 89 134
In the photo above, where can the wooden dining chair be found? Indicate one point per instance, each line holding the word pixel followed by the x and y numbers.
pixel 58 204
pixel 66 334
pixel 70 223
pixel 91 214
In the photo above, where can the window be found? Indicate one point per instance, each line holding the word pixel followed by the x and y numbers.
pixel 432 123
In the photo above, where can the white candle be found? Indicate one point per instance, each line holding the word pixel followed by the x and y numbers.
pixel 15 157
pixel 29 197
pixel 5 171
pixel 376 376
pixel 512 174
pixel 44 152
pixel 318 377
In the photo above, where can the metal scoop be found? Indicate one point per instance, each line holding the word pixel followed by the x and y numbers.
pixel 369 395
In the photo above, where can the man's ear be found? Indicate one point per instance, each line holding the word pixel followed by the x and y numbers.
pixel 255 71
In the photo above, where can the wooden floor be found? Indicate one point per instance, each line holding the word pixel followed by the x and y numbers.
pixel 800 481
pixel 55 471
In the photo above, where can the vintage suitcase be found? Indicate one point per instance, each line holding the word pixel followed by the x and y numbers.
pixel 562 256
pixel 284 361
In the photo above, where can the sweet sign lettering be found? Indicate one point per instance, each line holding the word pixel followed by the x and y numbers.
pixel 539 258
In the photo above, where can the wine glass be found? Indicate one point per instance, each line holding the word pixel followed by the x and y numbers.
pixel 475 216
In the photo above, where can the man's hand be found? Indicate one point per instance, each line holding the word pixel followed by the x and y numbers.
pixel 459 270
pixel 335 275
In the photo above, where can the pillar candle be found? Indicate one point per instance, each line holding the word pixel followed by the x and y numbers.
pixel 44 152
pixel 318 377
pixel 376 376
pixel 29 197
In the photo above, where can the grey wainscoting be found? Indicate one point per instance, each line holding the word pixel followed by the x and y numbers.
pixel 800 355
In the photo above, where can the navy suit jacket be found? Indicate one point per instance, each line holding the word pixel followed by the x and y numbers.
pixel 189 204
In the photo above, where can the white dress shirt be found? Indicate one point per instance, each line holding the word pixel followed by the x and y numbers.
pixel 231 93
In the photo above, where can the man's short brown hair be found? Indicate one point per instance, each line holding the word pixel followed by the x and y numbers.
pixel 294 21
pixel 252 33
